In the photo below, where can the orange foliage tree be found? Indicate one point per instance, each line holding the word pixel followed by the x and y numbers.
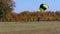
pixel 6 6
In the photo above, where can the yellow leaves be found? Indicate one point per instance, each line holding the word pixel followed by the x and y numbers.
pixel 9 17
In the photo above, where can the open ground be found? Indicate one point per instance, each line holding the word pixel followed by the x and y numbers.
pixel 43 27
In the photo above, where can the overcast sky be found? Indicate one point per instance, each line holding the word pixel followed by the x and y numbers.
pixel 33 5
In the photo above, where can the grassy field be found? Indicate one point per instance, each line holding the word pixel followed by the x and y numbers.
pixel 44 27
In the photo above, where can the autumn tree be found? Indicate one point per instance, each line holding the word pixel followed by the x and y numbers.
pixel 6 7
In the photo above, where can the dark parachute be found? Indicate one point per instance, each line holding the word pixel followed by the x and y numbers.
pixel 43 7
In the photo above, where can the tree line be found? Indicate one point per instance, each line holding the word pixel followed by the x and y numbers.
pixel 33 16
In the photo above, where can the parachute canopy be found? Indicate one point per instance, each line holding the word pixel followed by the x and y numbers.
pixel 43 7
